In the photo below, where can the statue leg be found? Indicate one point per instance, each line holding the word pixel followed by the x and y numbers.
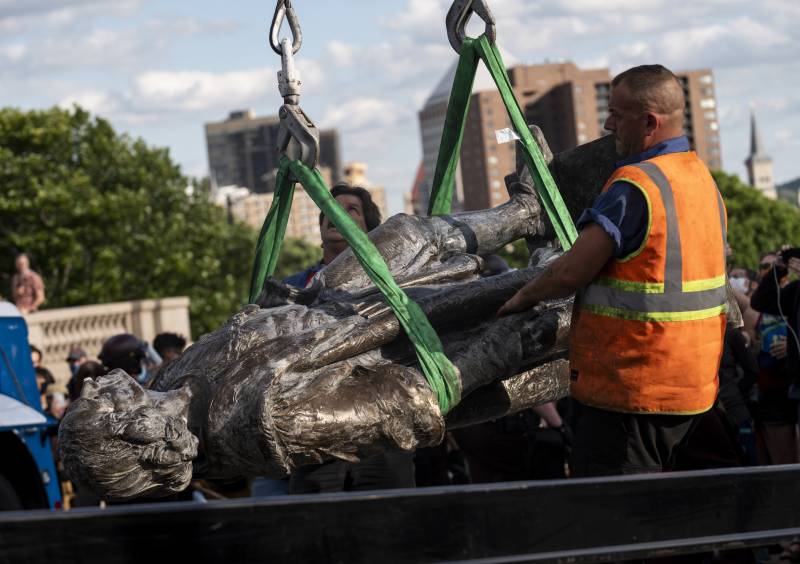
pixel 410 244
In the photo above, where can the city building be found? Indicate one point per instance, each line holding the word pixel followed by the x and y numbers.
pixel 759 165
pixel 242 151
pixel 790 192
pixel 569 104
pixel 701 122
pixel 252 208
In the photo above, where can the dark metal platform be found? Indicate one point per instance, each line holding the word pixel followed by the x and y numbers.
pixel 567 521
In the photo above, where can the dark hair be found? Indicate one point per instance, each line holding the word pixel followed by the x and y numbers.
pixel 372 215
pixel 48 377
pixel 35 349
pixel 123 351
pixel 653 87
pixel 89 369
pixel 168 341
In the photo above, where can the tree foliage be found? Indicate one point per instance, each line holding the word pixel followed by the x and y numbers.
pixel 107 218
pixel 755 223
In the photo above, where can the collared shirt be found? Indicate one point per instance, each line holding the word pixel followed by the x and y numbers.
pixel 622 210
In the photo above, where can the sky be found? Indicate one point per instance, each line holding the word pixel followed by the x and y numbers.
pixel 160 69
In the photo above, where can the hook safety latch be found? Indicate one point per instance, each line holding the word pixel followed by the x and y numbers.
pixel 458 16
pixel 296 125
pixel 284 9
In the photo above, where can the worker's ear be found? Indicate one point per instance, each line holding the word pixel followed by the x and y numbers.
pixel 652 122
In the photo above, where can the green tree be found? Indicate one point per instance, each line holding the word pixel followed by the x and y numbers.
pixel 755 223
pixel 106 217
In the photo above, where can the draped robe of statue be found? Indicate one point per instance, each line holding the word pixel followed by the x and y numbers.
pixel 326 372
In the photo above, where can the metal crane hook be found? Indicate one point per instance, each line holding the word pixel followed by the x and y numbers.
pixel 458 16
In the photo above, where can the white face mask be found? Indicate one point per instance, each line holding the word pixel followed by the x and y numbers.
pixel 740 283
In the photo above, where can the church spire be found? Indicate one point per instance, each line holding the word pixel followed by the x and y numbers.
pixel 756 147
pixel 759 165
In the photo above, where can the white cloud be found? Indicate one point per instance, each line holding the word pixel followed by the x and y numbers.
pixel 101 47
pixel 195 90
pixel 341 53
pixel 94 101
pixel 19 16
pixel 362 113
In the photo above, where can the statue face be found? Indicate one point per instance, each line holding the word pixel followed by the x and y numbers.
pixel 124 441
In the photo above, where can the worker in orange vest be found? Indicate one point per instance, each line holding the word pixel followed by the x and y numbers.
pixel 649 271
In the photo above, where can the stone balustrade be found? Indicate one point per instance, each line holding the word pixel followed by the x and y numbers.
pixel 56 331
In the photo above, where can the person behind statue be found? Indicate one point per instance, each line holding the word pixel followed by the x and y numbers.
pixel 649 268
pixel 129 353
pixel 36 356
pixel 44 379
pixel 357 202
pixel 386 470
pixel 27 287
pixel 169 346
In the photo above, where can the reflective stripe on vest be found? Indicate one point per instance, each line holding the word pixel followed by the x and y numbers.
pixel 672 300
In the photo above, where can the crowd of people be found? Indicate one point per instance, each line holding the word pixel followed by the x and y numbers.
pixel 126 351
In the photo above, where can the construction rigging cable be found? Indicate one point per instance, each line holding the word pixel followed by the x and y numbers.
pixel 470 52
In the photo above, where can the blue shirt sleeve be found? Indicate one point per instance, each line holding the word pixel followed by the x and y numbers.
pixel 299 279
pixel 622 213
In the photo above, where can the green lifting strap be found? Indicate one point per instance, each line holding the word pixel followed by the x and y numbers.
pixel 453 134
pixel 437 368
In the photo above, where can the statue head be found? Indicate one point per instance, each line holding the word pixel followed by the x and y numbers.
pixel 123 441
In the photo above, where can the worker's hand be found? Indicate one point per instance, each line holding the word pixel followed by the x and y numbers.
pixel 521 301
pixel 794 266
pixel 778 348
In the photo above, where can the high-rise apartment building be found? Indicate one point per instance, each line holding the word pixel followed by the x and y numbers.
pixel 242 151
pixel 569 104
pixel 701 121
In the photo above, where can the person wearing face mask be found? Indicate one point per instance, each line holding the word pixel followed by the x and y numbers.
pixel 740 280
pixel 76 357
pixel 131 354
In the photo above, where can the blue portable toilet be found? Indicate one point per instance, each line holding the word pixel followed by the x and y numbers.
pixel 28 478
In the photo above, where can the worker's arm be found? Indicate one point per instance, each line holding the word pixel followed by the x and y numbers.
pixel 567 274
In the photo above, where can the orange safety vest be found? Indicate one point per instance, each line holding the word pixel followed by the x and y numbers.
pixel 647 333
